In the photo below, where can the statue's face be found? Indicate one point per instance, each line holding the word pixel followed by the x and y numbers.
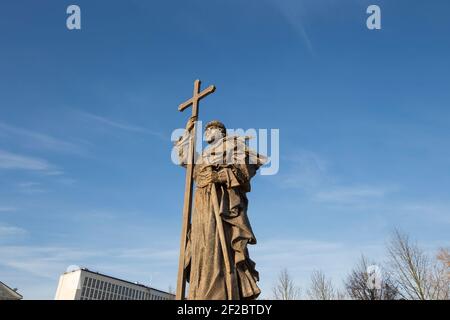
pixel 213 134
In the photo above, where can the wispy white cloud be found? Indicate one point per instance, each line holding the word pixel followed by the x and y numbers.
pixel 294 12
pixel 67 181
pixel 431 211
pixel 121 125
pixel 8 209
pixel 351 194
pixel 309 172
pixel 13 161
pixel 30 187
pixel 150 253
pixel 43 262
pixel 33 139
pixel 7 231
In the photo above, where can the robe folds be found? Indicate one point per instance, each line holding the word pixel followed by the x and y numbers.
pixel 204 260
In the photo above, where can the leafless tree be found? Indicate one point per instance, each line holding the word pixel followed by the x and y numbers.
pixel 417 276
pixel 444 257
pixel 409 266
pixel 321 288
pixel 358 285
pixel 440 276
pixel 285 288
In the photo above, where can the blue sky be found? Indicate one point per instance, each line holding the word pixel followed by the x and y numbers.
pixel 86 118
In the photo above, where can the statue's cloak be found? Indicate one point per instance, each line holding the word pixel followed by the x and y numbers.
pixel 204 260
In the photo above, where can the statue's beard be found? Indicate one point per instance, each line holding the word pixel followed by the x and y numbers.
pixel 213 139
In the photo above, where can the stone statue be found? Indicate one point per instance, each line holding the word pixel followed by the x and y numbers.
pixel 214 257
pixel 216 262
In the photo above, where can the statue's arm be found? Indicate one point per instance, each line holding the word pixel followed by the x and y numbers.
pixel 182 144
pixel 182 149
pixel 233 176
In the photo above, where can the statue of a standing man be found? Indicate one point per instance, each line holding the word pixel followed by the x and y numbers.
pixel 224 165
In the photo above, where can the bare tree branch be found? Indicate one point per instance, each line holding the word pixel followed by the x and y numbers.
pixel 321 288
pixel 417 276
pixel 285 289
pixel 357 284
pixel 440 276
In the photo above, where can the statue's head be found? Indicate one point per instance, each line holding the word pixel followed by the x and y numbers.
pixel 214 131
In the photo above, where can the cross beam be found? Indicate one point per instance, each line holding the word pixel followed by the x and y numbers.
pixel 197 96
pixel 187 207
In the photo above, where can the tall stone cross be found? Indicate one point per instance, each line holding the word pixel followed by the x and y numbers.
pixel 187 207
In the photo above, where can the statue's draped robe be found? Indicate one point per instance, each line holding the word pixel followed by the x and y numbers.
pixel 204 260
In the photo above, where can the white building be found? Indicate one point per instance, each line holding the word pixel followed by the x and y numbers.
pixel 83 284
pixel 7 293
